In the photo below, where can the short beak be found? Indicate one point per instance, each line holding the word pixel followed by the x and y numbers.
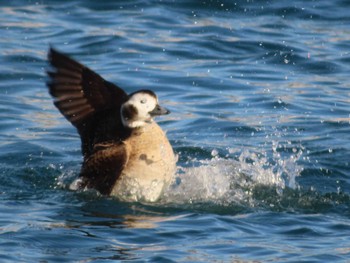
pixel 159 110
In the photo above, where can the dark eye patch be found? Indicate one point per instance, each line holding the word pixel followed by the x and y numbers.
pixel 129 112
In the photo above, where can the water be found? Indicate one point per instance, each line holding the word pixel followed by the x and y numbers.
pixel 259 94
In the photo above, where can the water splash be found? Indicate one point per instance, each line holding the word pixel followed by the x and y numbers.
pixel 225 180
pixel 234 178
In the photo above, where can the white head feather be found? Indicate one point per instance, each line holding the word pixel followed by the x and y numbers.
pixel 140 108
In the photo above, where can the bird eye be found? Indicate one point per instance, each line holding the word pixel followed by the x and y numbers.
pixel 143 101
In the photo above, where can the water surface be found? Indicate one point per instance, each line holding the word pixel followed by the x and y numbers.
pixel 259 94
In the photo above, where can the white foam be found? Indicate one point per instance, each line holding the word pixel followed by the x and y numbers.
pixel 231 180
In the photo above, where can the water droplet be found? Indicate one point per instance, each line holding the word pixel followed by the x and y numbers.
pixel 231 150
pixel 214 152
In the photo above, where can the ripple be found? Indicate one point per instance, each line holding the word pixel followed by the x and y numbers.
pixel 260 118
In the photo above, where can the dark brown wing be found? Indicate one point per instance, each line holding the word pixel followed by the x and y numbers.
pixel 78 91
pixel 101 170
pixel 82 96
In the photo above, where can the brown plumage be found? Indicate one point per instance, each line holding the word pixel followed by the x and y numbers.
pixel 118 139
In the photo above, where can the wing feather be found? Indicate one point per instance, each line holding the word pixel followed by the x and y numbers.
pixel 70 82
pixel 103 168
pixel 89 102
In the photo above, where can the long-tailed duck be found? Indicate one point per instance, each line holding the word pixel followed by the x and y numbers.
pixel 126 154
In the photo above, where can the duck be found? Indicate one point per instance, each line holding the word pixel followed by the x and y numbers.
pixel 125 152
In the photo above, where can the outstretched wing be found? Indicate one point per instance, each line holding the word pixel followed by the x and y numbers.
pixel 83 97
pixel 78 91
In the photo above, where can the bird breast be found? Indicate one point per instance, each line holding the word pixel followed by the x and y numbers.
pixel 150 168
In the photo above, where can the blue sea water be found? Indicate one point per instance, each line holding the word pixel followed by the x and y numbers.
pixel 260 99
